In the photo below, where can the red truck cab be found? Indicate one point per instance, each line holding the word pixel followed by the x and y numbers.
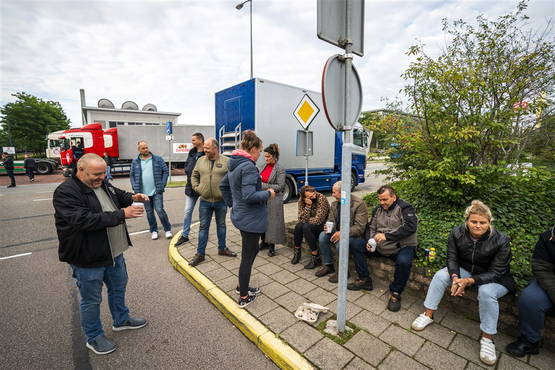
pixel 90 137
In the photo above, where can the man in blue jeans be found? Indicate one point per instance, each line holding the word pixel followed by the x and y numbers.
pixel 393 229
pixel 191 197
pixel 537 299
pixel 149 175
pixel 90 218
pixel 206 178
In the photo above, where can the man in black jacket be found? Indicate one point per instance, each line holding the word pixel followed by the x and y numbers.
pixel 8 166
pixel 191 196
pixel 90 218
pixel 538 298
pixel 30 165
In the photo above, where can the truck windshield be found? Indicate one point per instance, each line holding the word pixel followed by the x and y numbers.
pixel 53 143
pixel 64 144
pixel 359 138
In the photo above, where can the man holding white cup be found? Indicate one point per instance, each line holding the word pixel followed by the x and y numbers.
pixel 90 218
pixel 331 233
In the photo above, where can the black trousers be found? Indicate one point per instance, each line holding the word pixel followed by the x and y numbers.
pixel 249 250
pixel 30 172
pixel 11 176
pixel 310 233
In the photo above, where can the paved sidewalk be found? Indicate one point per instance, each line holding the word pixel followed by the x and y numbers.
pixel 383 339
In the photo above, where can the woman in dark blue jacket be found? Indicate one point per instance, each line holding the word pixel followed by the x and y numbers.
pixel 242 191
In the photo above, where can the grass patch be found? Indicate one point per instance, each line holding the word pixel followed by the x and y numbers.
pixel 341 338
pixel 176 184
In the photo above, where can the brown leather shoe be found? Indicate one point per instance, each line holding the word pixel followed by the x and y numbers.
pixel 227 252
pixel 196 260
pixel 326 269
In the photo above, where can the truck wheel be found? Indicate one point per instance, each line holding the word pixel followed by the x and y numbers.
pixel 289 190
pixel 354 181
pixel 44 168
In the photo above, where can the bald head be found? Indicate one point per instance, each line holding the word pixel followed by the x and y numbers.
pixel 91 170
pixel 211 148
pixel 87 159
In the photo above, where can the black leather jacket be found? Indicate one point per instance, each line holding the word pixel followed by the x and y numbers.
pixel 81 224
pixel 487 259
pixel 190 163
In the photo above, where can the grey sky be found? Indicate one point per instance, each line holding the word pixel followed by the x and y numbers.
pixel 177 54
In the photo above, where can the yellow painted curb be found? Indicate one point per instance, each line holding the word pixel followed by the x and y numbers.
pixel 277 350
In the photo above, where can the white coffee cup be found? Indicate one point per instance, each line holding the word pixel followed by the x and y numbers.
pixel 139 204
pixel 373 244
pixel 329 227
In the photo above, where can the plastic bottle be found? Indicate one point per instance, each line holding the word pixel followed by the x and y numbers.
pixel 432 255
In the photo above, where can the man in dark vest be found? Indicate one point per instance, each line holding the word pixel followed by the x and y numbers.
pixel 392 234
pixel 8 166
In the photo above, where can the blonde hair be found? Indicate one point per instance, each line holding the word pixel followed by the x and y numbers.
pixel 477 207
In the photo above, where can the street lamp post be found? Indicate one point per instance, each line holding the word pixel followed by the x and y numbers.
pixel 239 7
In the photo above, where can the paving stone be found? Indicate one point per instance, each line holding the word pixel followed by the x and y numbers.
pixel 292 268
pixel 399 361
pixel 305 273
pixel 187 251
pixel 260 280
pixel 218 274
pixel 291 301
pixel 358 364
pixel 261 305
pixel 325 284
pixel 438 358
pixel 370 322
pixel 207 266
pixel 367 347
pixel 462 325
pixel 302 286
pixel 506 362
pixel 402 339
pixel 320 296
pixel 352 309
pixel 220 259
pixel 544 360
pixel 326 354
pixel 231 264
pixel 278 319
pixel 284 277
pixel 259 262
pixel 269 269
pixel 301 336
pixel 353 295
pixel 371 303
pixel 437 334
pixel 403 318
pixel 468 348
pixel 274 290
pixel 473 366
pixel 228 283
pixel 280 260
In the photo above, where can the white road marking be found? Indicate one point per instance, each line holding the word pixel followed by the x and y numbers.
pixel 39 200
pixel 44 192
pixel 16 255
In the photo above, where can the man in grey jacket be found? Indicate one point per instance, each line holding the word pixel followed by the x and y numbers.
pixel 393 228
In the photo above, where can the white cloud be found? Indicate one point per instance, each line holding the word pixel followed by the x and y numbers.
pixel 177 54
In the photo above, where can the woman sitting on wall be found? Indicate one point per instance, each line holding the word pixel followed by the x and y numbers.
pixel 477 254
pixel 313 213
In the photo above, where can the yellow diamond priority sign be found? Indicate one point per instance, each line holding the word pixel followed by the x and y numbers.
pixel 306 111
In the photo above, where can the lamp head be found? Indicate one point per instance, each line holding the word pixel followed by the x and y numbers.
pixel 239 6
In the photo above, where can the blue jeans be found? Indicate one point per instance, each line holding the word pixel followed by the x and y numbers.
pixel 325 244
pixel 533 304
pixel 89 281
pixel 190 202
pixel 403 264
pixel 206 209
pixel 109 173
pixel 156 203
pixel 488 294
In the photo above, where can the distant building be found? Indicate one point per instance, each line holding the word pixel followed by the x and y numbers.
pixel 128 115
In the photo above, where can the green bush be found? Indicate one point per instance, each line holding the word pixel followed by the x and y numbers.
pixel 523 206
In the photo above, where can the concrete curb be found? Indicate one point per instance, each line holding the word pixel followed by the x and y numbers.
pixel 278 351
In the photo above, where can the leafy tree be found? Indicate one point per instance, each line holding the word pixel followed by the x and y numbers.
pixel 27 122
pixel 477 105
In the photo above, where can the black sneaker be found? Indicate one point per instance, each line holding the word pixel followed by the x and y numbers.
pixel 182 240
pixel 315 261
pixel 252 290
pixel 244 302
pixel 364 284
pixel 394 303
pixel 101 345
pixel 130 324
pixel 523 347
pixel 296 256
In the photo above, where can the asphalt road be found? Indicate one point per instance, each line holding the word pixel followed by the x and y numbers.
pixel 39 306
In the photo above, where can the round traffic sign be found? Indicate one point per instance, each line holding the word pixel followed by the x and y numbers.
pixel 333 93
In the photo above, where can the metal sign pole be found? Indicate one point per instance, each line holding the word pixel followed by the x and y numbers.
pixel 170 160
pixel 306 158
pixel 346 160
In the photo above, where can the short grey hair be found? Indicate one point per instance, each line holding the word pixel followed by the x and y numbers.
pixel 338 185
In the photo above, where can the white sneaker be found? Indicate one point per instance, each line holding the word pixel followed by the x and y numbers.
pixel 169 234
pixel 487 351
pixel 421 322
pixel 154 235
